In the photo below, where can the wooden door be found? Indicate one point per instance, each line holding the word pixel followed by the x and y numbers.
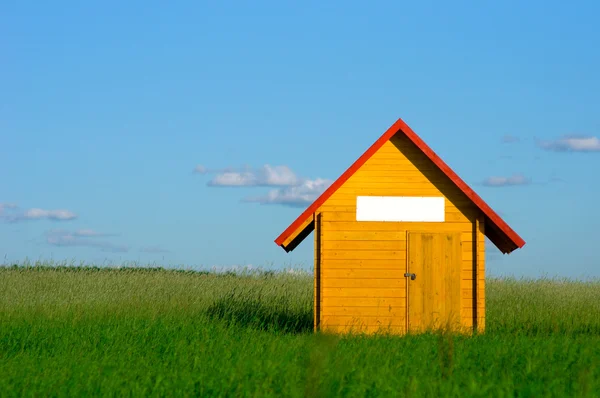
pixel 433 299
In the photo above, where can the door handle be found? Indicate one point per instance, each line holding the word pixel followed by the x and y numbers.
pixel 412 276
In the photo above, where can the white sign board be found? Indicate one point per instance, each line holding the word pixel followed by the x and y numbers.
pixel 400 208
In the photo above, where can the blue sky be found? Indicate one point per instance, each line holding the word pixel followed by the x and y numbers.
pixel 115 117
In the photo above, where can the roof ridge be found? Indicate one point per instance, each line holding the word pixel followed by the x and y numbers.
pixel 401 126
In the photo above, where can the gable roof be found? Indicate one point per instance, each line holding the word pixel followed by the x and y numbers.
pixel 496 229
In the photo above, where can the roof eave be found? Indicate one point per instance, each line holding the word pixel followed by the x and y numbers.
pixel 501 239
pixel 308 228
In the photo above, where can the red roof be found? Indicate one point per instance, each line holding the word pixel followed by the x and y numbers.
pixel 496 229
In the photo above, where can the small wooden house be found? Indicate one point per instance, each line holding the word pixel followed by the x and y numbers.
pixel 399 243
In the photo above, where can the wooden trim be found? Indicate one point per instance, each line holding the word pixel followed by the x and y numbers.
pixel 480 266
pixel 406 280
pixel 475 271
pixel 317 272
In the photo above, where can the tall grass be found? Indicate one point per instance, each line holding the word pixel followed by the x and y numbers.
pixel 545 306
pixel 78 331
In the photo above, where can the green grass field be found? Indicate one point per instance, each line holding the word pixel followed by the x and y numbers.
pixel 90 331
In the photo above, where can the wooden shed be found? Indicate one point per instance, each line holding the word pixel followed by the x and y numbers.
pixel 399 242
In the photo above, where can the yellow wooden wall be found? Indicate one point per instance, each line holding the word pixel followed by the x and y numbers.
pixel 359 278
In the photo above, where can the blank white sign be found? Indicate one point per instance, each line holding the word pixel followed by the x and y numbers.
pixel 400 208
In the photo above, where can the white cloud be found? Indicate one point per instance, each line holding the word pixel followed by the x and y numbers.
pixel 291 190
pixel 82 233
pixel 36 214
pixel 508 139
pixel 571 143
pixel 83 237
pixel 13 215
pixel 295 196
pixel 234 179
pixel 200 169
pixel 515 179
pixel 265 176
pixel 88 232
pixel 278 176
